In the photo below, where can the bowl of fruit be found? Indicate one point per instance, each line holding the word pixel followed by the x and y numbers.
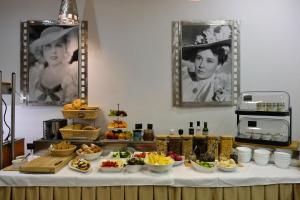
pixel 158 162
pixel 134 164
pixel 178 159
pixel 206 163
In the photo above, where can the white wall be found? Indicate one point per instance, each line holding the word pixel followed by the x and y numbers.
pixel 130 56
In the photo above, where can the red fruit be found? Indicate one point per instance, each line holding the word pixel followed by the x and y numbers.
pixel 178 158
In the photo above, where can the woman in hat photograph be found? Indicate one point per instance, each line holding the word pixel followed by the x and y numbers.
pixel 53 73
pixel 206 67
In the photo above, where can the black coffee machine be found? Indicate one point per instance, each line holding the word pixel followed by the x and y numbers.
pixel 51 128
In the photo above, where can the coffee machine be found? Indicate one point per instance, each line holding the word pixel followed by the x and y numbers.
pixel 51 128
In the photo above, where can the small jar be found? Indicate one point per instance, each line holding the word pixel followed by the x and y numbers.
pixel 161 143
pixel 187 146
pixel 175 143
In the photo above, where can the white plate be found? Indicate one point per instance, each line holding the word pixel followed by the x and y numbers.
pixel 79 170
pixel 227 169
pixel 203 169
pixel 179 162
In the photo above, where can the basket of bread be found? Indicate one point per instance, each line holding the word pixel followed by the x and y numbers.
pixel 80 131
pixel 78 109
pixel 61 149
pixel 91 152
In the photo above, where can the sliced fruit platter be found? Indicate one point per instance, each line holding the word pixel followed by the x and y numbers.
pixel 80 164
pixel 118 134
pixel 117 124
pixel 112 165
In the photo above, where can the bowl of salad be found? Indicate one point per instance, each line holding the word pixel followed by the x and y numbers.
pixel 134 164
pixel 202 166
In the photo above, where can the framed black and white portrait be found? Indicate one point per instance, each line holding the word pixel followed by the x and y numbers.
pixel 53 62
pixel 205 59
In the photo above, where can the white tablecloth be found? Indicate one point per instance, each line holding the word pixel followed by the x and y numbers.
pixel 179 176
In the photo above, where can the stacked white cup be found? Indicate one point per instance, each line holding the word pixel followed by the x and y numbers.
pixel 261 156
pixel 244 154
pixel 282 159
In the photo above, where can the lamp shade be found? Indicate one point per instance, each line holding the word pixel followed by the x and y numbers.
pixel 68 12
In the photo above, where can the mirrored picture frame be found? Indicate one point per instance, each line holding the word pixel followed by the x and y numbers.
pixel 54 62
pixel 205 63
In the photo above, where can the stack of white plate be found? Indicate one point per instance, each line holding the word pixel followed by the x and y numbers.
pixel 261 156
pixel 282 159
pixel 244 154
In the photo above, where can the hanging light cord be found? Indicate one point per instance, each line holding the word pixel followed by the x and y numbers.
pixel 4 119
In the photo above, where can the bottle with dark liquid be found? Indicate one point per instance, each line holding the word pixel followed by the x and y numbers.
pixel 205 129
pixel 191 129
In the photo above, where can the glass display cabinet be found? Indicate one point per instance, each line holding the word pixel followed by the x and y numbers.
pixel 268 118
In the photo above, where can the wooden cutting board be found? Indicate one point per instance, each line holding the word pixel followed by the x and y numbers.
pixel 46 164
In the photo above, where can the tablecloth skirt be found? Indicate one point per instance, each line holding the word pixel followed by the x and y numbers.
pixel 268 192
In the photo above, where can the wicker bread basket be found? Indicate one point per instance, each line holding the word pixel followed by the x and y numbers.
pixel 68 133
pixel 62 152
pixel 80 114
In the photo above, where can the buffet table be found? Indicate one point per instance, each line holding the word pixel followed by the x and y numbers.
pixel 248 182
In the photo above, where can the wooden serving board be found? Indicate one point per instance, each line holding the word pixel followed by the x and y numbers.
pixel 46 164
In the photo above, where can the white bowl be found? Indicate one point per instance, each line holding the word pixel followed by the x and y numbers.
pixel 279 154
pixel 261 160
pixel 266 136
pixel 261 152
pixel 159 168
pixel 179 162
pixel 245 135
pixel 282 163
pixel 133 168
pixel 244 158
pixel 89 156
pixel 203 169
pixel 244 150
pixel 256 136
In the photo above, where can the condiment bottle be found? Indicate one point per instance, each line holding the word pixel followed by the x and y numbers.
pixel 191 129
pixel 205 129
pixel 148 133
pixel 137 133
pixel 198 128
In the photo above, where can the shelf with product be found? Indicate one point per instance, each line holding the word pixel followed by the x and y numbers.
pixel 266 118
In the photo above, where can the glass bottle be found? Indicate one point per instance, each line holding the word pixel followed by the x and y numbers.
pixel 191 129
pixel 148 133
pixel 137 133
pixel 205 129
pixel 198 128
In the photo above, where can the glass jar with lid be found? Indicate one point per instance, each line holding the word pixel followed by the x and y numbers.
pixel 187 146
pixel 161 143
pixel 175 144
